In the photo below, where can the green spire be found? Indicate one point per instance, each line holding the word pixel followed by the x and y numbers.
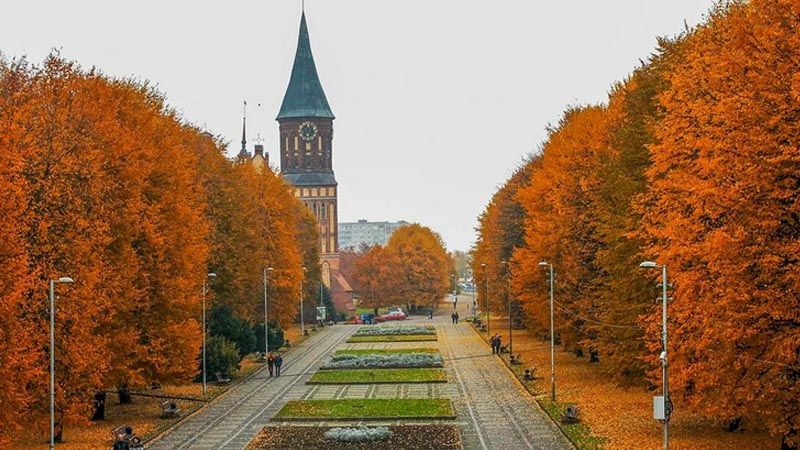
pixel 304 97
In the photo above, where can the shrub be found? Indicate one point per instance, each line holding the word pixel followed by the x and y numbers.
pixel 234 329
pixel 276 339
pixel 358 434
pixel 221 356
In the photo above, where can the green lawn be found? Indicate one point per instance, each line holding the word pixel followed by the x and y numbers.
pixel 367 409
pixel 385 351
pixel 393 338
pixel 377 376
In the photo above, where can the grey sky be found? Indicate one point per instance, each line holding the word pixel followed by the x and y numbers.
pixel 436 101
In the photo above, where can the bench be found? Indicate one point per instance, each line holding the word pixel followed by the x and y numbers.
pixel 125 439
pixel 169 409
pixel 516 359
pixel 530 374
pixel 222 379
pixel 571 415
pixel 504 349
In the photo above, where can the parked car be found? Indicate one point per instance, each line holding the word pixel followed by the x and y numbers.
pixel 394 314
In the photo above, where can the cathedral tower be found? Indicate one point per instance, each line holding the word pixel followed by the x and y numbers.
pixel 306 145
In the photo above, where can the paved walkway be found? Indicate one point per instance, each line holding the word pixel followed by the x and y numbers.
pixel 233 419
pixel 494 411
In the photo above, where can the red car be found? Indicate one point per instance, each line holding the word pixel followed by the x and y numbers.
pixel 396 314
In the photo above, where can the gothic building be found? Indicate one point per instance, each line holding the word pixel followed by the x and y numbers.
pixel 306 158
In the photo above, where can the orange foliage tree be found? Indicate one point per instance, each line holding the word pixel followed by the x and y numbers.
pixel 694 163
pixel 500 232
pixel 559 227
pixel 413 269
pixel 102 182
pixel 723 214
pixel 376 278
pixel 423 266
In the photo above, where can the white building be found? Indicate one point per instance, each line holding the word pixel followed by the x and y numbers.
pixel 353 234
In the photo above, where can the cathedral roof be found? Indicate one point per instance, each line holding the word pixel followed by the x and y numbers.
pixel 310 179
pixel 304 97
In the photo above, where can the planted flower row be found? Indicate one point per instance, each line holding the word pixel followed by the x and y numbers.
pixel 390 360
pixel 394 330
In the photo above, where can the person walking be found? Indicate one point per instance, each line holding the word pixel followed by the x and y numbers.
pixel 453 318
pixel 271 363
pixel 493 343
pixel 278 364
pixel 455 314
pixel 499 344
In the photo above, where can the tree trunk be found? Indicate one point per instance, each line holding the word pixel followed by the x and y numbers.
pixel 785 443
pixel 58 427
pixel 124 395
pixel 734 424
pixel 99 406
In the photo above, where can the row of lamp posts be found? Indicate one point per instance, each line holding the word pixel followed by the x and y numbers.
pixel 662 406
pixel 68 280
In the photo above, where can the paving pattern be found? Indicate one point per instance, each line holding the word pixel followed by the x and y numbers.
pixel 494 411
pixel 233 419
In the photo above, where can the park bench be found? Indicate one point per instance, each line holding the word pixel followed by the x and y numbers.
pixel 169 409
pixel 571 415
pixel 530 374
pixel 125 439
pixel 222 379
pixel 516 359
pixel 504 349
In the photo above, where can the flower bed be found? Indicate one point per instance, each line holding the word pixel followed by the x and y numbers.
pixel 376 361
pixel 416 437
pixel 367 409
pixel 393 338
pixel 393 330
pixel 379 376
pixel 384 351
pixel 357 434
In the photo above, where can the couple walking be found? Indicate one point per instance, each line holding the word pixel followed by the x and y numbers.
pixel 274 364
pixel 454 318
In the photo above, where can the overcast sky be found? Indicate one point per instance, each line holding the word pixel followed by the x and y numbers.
pixel 437 101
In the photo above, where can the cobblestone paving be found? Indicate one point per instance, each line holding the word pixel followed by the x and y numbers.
pixel 233 419
pixel 494 411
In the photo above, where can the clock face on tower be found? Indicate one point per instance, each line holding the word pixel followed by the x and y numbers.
pixel 307 131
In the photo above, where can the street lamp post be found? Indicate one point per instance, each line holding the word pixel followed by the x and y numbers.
pixel 552 335
pixel 302 325
pixel 455 290
pixel 61 280
pixel 266 311
pixel 205 329
pixel 666 404
pixel 488 318
pixel 508 294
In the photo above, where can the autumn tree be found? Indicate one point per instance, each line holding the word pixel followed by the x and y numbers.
pixel 423 266
pixel 17 349
pixel 376 278
pixel 723 214
pixel 559 227
pixel 500 233
pixel 103 182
